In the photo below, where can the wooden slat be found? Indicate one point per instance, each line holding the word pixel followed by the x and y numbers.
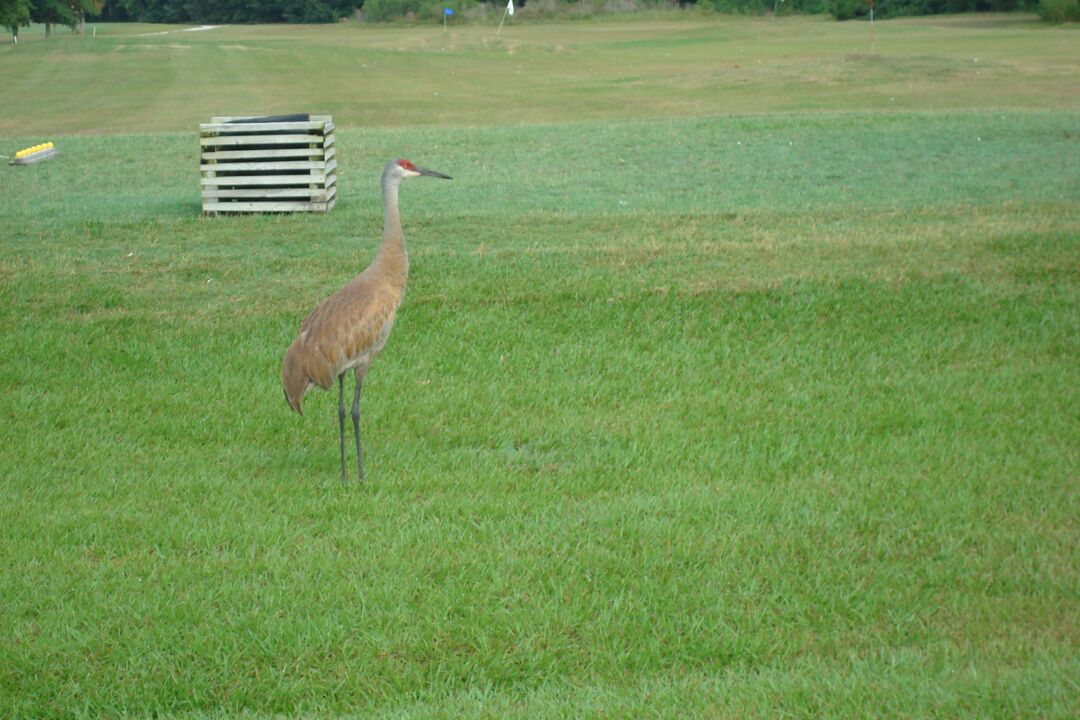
pixel 314 195
pixel 325 142
pixel 210 180
pixel 310 179
pixel 285 182
pixel 230 128
pixel 327 153
pixel 233 140
pixel 233 118
pixel 272 206
pixel 281 165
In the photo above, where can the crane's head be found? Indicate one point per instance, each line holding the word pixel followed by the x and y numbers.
pixel 399 169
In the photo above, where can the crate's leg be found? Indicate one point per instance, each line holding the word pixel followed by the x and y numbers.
pixel 207 174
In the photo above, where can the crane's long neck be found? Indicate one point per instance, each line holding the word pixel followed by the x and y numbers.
pixel 392 257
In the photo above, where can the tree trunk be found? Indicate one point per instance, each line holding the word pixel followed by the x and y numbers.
pixel 48 29
pixel 82 23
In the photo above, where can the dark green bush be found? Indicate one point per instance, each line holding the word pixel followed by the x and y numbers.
pixel 848 9
pixel 749 7
pixel 1059 10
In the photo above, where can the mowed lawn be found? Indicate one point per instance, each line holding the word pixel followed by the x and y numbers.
pixel 133 78
pixel 745 393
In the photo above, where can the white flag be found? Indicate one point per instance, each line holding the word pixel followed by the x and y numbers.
pixel 510 8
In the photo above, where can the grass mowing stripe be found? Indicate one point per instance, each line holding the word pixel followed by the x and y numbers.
pixel 672 65
pixel 730 164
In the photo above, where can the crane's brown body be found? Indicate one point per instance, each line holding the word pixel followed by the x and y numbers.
pixel 348 329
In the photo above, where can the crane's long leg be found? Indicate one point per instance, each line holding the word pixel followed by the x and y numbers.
pixel 356 427
pixel 341 422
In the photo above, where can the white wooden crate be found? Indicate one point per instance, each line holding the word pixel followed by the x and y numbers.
pixel 268 166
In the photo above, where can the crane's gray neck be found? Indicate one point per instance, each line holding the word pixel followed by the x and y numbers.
pixel 392 218
pixel 392 256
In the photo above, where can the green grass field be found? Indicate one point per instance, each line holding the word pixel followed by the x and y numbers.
pixel 737 376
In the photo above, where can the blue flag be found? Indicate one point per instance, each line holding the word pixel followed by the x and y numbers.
pixel 447 11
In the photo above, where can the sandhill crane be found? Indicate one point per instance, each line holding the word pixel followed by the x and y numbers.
pixel 348 329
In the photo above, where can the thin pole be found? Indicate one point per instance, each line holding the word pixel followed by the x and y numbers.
pixel 872 43
pixel 505 10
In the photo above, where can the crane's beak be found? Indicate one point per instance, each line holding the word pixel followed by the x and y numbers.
pixel 432 173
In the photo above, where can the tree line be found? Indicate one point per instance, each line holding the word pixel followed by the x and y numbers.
pixel 229 11
pixel 20 13
pixel 73 13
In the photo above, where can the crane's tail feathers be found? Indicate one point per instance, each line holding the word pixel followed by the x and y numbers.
pixel 294 406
